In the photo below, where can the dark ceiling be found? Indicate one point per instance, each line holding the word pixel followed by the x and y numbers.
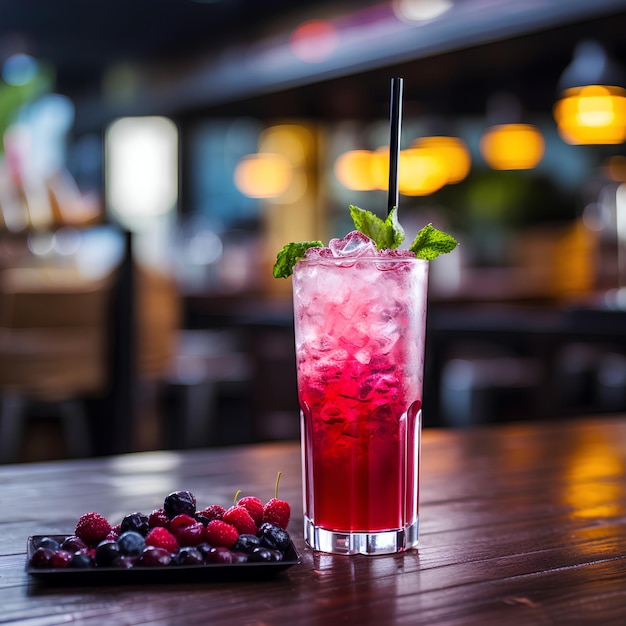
pixel 81 38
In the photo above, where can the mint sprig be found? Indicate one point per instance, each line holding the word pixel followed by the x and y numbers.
pixel 431 242
pixel 290 255
pixel 387 234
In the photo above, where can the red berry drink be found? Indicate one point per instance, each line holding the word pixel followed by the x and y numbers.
pixel 359 328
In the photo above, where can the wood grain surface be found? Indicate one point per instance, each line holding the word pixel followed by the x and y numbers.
pixel 520 524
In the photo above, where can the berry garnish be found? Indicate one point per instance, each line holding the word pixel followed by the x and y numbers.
pixel 254 506
pixel 158 517
pixel 179 502
pixel 92 527
pixel 265 554
pixel 220 534
pixel 273 536
pixel 187 530
pixel 277 511
pixel 239 517
pixel 190 537
pixel 215 511
pixel 137 522
pixel 246 544
pixel 131 543
pixel 160 537
pixel 154 557
pixel 107 552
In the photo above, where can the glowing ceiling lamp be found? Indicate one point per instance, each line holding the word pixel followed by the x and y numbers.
pixel 592 105
pixel 452 153
pixel 512 146
pixel 354 170
pixel 263 175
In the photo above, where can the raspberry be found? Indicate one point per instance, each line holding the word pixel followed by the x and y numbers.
pixel 239 517
pixel 254 506
pixel 160 537
pixel 215 511
pixel 277 511
pixel 158 517
pixel 92 527
pixel 187 530
pixel 220 534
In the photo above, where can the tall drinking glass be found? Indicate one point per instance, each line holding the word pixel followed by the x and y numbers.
pixel 359 333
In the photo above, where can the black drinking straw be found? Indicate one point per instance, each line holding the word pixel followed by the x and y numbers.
pixel 395 124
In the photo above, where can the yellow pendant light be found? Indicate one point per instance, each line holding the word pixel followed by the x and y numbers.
pixel 592 104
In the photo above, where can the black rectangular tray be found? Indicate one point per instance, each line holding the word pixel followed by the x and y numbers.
pixel 214 572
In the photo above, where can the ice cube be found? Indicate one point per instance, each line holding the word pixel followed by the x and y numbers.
pixel 354 244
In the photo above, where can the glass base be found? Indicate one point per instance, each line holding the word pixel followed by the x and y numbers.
pixel 384 542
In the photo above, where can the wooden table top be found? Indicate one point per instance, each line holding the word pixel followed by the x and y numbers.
pixel 520 524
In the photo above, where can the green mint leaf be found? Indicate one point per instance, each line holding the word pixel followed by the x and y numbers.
pixel 430 243
pixel 290 255
pixel 386 234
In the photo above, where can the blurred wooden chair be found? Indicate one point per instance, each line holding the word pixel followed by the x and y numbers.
pixel 53 352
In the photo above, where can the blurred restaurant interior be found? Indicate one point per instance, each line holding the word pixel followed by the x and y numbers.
pixel 156 155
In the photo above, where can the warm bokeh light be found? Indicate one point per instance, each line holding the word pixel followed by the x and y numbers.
pixel 421 172
pixel 263 175
pixel 452 153
pixel 422 169
pixel 354 170
pixel 314 41
pixel 615 168
pixel 512 146
pixel 592 114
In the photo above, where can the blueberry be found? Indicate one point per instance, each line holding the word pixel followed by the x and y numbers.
pixel 136 521
pixel 274 537
pixel 246 543
pixel 106 552
pixel 131 543
pixel 188 556
pixel 81 560
pixel 204 548
pixel 49 543
pixel 265 554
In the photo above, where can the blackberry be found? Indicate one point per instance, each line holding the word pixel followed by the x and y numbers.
pixel 137 522
pixel 179 502
pixel 188 556
pixel 265 554
pixel 274 537
pixel 246 543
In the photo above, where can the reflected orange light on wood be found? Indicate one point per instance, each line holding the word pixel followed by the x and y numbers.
pixel 512 147
pixel 592 114
pixel 263 175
